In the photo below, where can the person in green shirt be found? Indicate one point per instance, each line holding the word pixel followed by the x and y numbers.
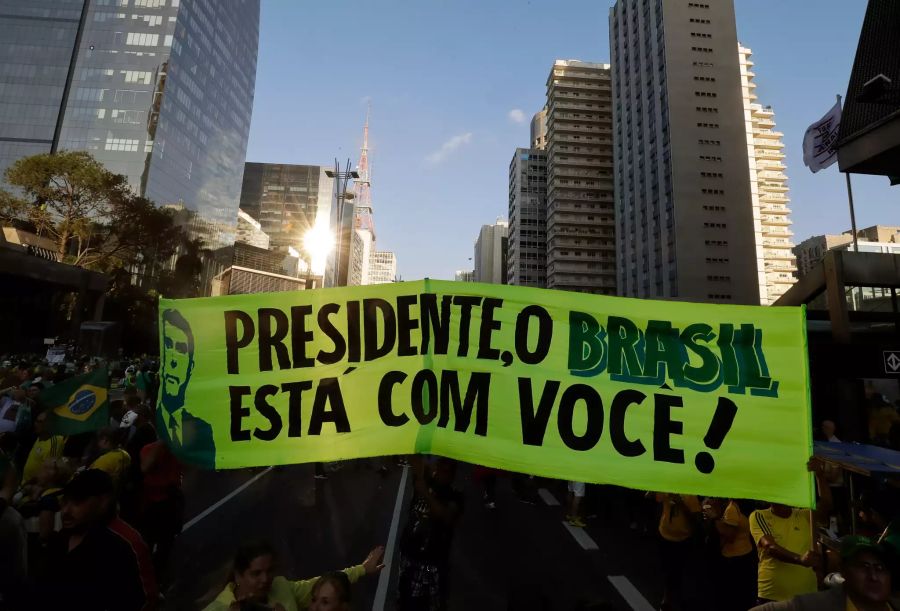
pixel 253 580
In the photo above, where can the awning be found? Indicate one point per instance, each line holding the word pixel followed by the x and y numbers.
pixel 859 458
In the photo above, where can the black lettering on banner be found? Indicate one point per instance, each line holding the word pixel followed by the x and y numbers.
pixel 385 407
pixel 534 422
pixel 424 378
pixel 465 303
pixel 353 343
pixel 488 326
pixel 566 415
pixel 476 399
pixel 370 328
pixel 268 412
pixel 664 427
pixel 328 392
pixel 233 343
pixel 238 412
pixel 328 328
pixel 295 405
pixel 434 324
pixel 545 334
pixel 405 325
pixel 624 337
pixel 272 339
pixel 300 336
pixel 621 443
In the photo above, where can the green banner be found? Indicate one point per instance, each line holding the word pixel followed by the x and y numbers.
pixel 666 396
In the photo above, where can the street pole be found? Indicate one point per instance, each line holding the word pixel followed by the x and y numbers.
pixel 850 198
pixel 341 180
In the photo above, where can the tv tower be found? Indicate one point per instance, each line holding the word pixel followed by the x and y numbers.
pixel 363 240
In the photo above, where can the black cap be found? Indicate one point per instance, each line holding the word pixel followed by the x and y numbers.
pixel 92 482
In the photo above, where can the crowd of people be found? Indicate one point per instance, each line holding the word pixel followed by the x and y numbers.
pixel 88 521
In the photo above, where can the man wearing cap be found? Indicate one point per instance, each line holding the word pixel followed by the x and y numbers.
pixel 97 561
pixel 866 587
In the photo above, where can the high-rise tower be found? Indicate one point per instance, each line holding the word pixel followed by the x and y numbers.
pixel 363 239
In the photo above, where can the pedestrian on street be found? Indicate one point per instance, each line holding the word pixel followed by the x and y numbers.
pixel 679 526
pixel 735 564
pixel 575 497
pixel 254 581
pixel 425 543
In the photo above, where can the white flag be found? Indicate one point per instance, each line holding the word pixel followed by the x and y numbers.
pixel 819 151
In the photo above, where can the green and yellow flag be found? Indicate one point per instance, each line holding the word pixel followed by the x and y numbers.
pixel 667 396
pixel 79 404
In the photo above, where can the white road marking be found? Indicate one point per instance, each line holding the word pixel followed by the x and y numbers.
pixel 630 593
pixel 384 577
pixel 224 499
pixel 581 537
pixel 548 498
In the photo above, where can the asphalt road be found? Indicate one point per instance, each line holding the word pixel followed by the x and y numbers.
pixel 518 556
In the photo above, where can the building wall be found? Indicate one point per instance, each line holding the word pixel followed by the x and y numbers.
pixel 286 200
pixel 249 231
pixel 539 130
pixel 490 253
pixel 581 249
pixel 775 262
pixel 878 238
pixel 382 267
pixel 464 276
pixel 360 256
pixel 38 37
pixel 527 251
pixel 683 201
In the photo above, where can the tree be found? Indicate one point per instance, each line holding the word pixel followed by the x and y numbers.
pixel 91 214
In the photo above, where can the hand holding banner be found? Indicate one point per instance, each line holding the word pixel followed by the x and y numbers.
pixel 681 397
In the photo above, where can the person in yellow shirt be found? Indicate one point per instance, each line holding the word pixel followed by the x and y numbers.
pixel 784 543
pixel 254 581
pixel 113 459
pixel 46 446
pixel 736 568
pixel 678 523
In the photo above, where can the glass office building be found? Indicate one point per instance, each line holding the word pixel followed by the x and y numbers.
pixel 160 91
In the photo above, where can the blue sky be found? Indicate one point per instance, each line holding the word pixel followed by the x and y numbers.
pixel 444 76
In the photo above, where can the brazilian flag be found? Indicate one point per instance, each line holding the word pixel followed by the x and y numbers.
pixel 79 404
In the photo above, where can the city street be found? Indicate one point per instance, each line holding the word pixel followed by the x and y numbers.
pixel 519 556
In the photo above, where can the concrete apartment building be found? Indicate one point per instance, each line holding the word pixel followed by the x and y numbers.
pixel 684 208
pixel 382 267
pixel 490 253
pixel 878 238
pixel 775 263
pixel 581 248
pixel 539 130
pixel 527 255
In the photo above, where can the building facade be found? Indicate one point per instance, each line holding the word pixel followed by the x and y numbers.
pixel 491 248
pixel 581 248
pixel 382 267
pixel 539 130
pixel 160 91
pixel 464 276
pixel 249 231
pixel 527 250
pixel 286 200
pixel 878 238
pixel 684 209
pixel 776 266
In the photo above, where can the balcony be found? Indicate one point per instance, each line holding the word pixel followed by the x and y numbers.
pixel 775 219
pixel 768 133
pixel 768 174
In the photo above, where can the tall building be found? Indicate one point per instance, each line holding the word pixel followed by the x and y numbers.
pixel 464 276
pixel 161 92
pixel 363 237
pixel 684 209
pixel 775 263
pixel 581 249
pixel 491 252
pixel 539 130
pixel 878 238
pixel 382 267
pixel 287 200
pixel 527 252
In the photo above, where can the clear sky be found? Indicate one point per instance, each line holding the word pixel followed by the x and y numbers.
pixel 453 85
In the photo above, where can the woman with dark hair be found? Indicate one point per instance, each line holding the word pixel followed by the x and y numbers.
pixel 331 593
pixel 254 585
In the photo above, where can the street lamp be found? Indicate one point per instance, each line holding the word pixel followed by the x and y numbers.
pixel 342 179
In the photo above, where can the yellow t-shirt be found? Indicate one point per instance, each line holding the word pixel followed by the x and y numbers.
pixel 43 450
pixel 115 462
pixel 675 525
pixel 741 545
pixel 782 580
pixel 291 595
